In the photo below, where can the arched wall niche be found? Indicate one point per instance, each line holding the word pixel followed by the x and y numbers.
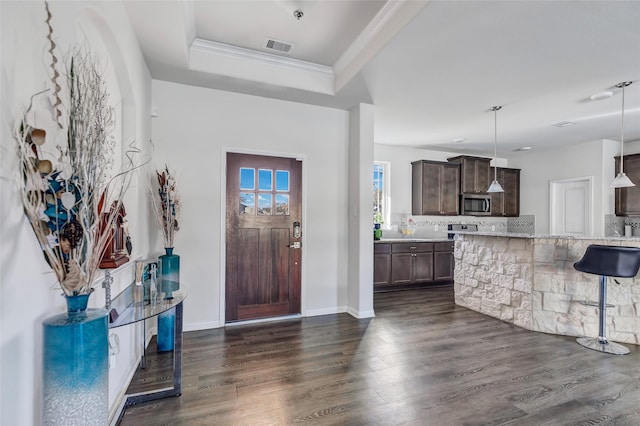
pixel 93 29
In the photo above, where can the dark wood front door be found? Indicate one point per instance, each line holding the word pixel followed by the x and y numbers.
pixel 264 234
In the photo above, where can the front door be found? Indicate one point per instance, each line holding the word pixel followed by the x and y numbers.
pixel 263 236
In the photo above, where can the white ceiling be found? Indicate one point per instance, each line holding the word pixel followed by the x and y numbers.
pixel 433 69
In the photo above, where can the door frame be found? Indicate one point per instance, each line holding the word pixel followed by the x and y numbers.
pixel 553 188
pixel 223 227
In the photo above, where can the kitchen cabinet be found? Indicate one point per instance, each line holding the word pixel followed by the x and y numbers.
pixel 506 203
pixel 627 200
pixel 381 264
pixel 474 173
pixel 443 261
pixel 411 263
pixel 435 188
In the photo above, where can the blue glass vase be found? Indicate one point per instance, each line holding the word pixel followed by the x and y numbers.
pixel 170 282
pixel 75 373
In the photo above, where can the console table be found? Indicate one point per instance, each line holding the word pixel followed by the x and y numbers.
pixel 134 305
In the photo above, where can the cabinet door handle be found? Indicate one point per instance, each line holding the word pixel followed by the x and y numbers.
pixel 413 248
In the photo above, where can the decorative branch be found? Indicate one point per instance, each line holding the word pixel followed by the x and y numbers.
pixel 54 61
pixel 166 205
pixel 66 203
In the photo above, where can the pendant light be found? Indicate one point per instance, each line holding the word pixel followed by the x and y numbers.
pixel 622 181
pixel 495 185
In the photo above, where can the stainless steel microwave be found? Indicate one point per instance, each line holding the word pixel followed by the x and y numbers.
pixel 475 205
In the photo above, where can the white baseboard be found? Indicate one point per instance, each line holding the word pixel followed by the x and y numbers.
pixel 361 314
pixel 195 326
pixel 326 311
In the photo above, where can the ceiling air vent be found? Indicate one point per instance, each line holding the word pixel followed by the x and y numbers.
pixel 280 46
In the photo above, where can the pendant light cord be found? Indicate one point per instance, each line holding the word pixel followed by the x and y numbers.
pixel 622 132
pixel 495 144
pixel 495 110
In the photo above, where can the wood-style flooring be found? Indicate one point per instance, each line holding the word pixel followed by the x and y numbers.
pixel 421 361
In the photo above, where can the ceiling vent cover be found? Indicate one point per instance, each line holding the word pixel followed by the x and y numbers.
pixel 280 46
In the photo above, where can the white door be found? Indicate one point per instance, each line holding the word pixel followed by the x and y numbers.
pixel 571 207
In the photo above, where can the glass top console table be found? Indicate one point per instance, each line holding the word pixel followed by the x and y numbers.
pixel 134 305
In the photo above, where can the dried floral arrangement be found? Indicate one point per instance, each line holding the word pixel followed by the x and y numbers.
pixel 69 191
pixel 166 205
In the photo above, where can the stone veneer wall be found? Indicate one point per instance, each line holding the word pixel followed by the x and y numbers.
pixel 531 282
pixel 494 276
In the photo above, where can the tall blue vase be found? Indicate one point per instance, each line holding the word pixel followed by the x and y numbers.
pixel 170 282
pixel 75 371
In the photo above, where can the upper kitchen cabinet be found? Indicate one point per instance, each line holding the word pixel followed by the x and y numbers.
pixel 435 188
pixel 506 203
pixel 474 173
pixel 628 199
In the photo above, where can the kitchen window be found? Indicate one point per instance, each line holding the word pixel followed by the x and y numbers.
pixel 381 195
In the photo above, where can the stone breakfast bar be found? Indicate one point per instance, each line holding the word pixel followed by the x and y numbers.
pixel 529 280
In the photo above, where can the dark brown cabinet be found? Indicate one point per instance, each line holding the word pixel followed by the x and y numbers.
pixel 474 173
pixel 506 203
pixel 627 200
pixel 382 264
pixel 411 263
pixel 406 264
pixel 443 261
pixel 435 188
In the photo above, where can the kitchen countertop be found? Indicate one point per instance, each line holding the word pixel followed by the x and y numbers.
pixel 525 235
pixel 412 240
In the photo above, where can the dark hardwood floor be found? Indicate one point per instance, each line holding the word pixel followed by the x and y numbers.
pixel 421 361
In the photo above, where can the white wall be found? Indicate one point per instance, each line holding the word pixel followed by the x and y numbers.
pixel 194 129
pixel 593 158
pixel 27 290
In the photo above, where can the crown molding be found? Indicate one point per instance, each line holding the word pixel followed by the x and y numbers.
pixel 215 48
pixel 389 21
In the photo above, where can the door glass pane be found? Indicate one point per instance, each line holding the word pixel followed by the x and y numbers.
pixel 247 203
pixel 282 180
pixel 247 178
pixel 265 180
pixel 265 204
pixel 282 204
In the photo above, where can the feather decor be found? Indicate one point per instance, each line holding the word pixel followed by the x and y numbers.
pixel 64 174
pixel 166 203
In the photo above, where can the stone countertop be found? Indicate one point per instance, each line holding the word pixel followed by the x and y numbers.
pixel 413 240
pixel 566 237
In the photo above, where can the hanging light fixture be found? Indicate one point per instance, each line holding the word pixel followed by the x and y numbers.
pixel 495 185
pixel 622 181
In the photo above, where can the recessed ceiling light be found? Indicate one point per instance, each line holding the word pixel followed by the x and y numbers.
pixel 459 140
pixel 600 96
pixel 563 124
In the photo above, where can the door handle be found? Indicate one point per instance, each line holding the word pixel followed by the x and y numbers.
pixel 295 245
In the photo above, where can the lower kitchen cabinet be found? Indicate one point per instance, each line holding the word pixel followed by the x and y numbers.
pixel 381 264
pixel 443 262
pixel 404 264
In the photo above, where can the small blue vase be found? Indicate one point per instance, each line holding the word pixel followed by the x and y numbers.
pixel 170 282
pixel 75 373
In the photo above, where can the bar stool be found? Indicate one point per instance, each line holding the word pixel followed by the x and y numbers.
pixel 607 261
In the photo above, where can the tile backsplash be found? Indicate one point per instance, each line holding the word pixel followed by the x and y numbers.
pixel 436 226
pixel 615 225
